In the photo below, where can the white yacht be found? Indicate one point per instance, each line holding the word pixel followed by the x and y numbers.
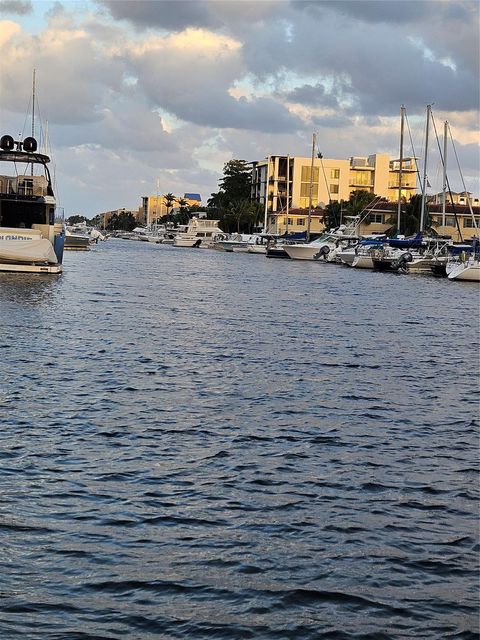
pixel 32 237
pixel 326 243
pixel 200 233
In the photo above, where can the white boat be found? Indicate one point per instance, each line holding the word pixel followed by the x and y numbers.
pixel 321 247
pixel 76 241
pixel 465 266
pixel 232 242
pixel 31 236
pixel 200 233
pixel 259 243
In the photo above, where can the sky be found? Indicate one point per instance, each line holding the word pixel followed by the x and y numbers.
pixel 149 97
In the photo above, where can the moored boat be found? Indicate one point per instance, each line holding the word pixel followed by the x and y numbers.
pixel 31 235
pixel 465 266
pixel 200 233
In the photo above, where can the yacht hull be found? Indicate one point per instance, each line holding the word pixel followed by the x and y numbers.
pixel 31 268
pixel 362 262
pixel 462 271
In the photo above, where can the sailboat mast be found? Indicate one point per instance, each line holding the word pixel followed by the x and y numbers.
pixel 400 173
pixel 309 220
pixel 33 113
pixel 267 172
pixel 288 193
pixel 444 200
pixel 424 186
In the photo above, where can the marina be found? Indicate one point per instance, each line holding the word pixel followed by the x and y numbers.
pixel 240 320
pixel 236 447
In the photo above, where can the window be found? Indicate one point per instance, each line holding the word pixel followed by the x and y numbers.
pixel 334 188
pixel 306 174
pixel 291 221
pixel 335 174
pixel 376 218
pixel 301 222
pixel 450 221
pixel 468 223
pixel 362 178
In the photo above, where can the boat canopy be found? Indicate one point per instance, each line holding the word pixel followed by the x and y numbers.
pixel 407 243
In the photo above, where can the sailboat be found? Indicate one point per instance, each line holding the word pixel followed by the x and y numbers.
pixel 466 266
pixel 416 253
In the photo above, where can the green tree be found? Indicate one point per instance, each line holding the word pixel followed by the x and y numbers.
pixel 76 219
pixel 411 216
pixel 183 204
pixel 169 199
pixel 124 221
pixel 332 214
pixel 231 204
pixel 358 202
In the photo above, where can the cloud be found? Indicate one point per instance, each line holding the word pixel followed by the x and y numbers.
pixel 378 11
pixel 167 14
pixel 136 92
pixel 16 7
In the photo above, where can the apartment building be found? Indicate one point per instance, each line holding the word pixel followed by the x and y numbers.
pixel 307 187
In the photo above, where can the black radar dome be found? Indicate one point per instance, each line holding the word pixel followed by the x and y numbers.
pixel 30 144
pixel 7 143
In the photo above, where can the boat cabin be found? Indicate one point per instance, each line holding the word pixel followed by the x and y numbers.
pixel 26 201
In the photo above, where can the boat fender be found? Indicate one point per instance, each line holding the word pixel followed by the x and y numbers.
pixel 407 257
pixel 7 143
pixel 325 251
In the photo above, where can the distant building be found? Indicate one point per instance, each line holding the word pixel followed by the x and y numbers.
pixel 154 207
pixel 458 224
pixel 193 199
pixel 460 197
pixel 332 180
pixel 104 217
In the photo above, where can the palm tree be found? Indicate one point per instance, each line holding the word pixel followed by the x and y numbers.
pixel 169 199
pixel 182 203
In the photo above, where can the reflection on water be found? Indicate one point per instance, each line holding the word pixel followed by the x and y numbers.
pixel 28 288
pixel 206 445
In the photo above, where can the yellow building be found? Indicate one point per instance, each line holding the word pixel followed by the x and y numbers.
pixel 153 208
pixel 457 223
pixel 332 180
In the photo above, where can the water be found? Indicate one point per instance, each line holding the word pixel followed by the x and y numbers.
pixel 205 445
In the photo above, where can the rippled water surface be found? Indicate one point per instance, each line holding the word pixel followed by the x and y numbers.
pixel 197 444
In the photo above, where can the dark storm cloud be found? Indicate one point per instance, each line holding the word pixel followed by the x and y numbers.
pixel 18 7
pixel 374 10
pixel 167 14
pixel 332 122
pixel 313 95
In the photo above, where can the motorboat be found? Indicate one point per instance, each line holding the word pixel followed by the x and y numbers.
pixel 76 240
pixel 320 248
pixel 32 235
pixel 417 254
pixel 234 242
pixel 80 237
pixel 259 243
pixel 347 255
pixel 200 233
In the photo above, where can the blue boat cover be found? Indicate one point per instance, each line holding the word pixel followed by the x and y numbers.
pixel 407 243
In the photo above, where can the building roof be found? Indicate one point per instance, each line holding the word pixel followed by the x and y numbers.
pixel 193 196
